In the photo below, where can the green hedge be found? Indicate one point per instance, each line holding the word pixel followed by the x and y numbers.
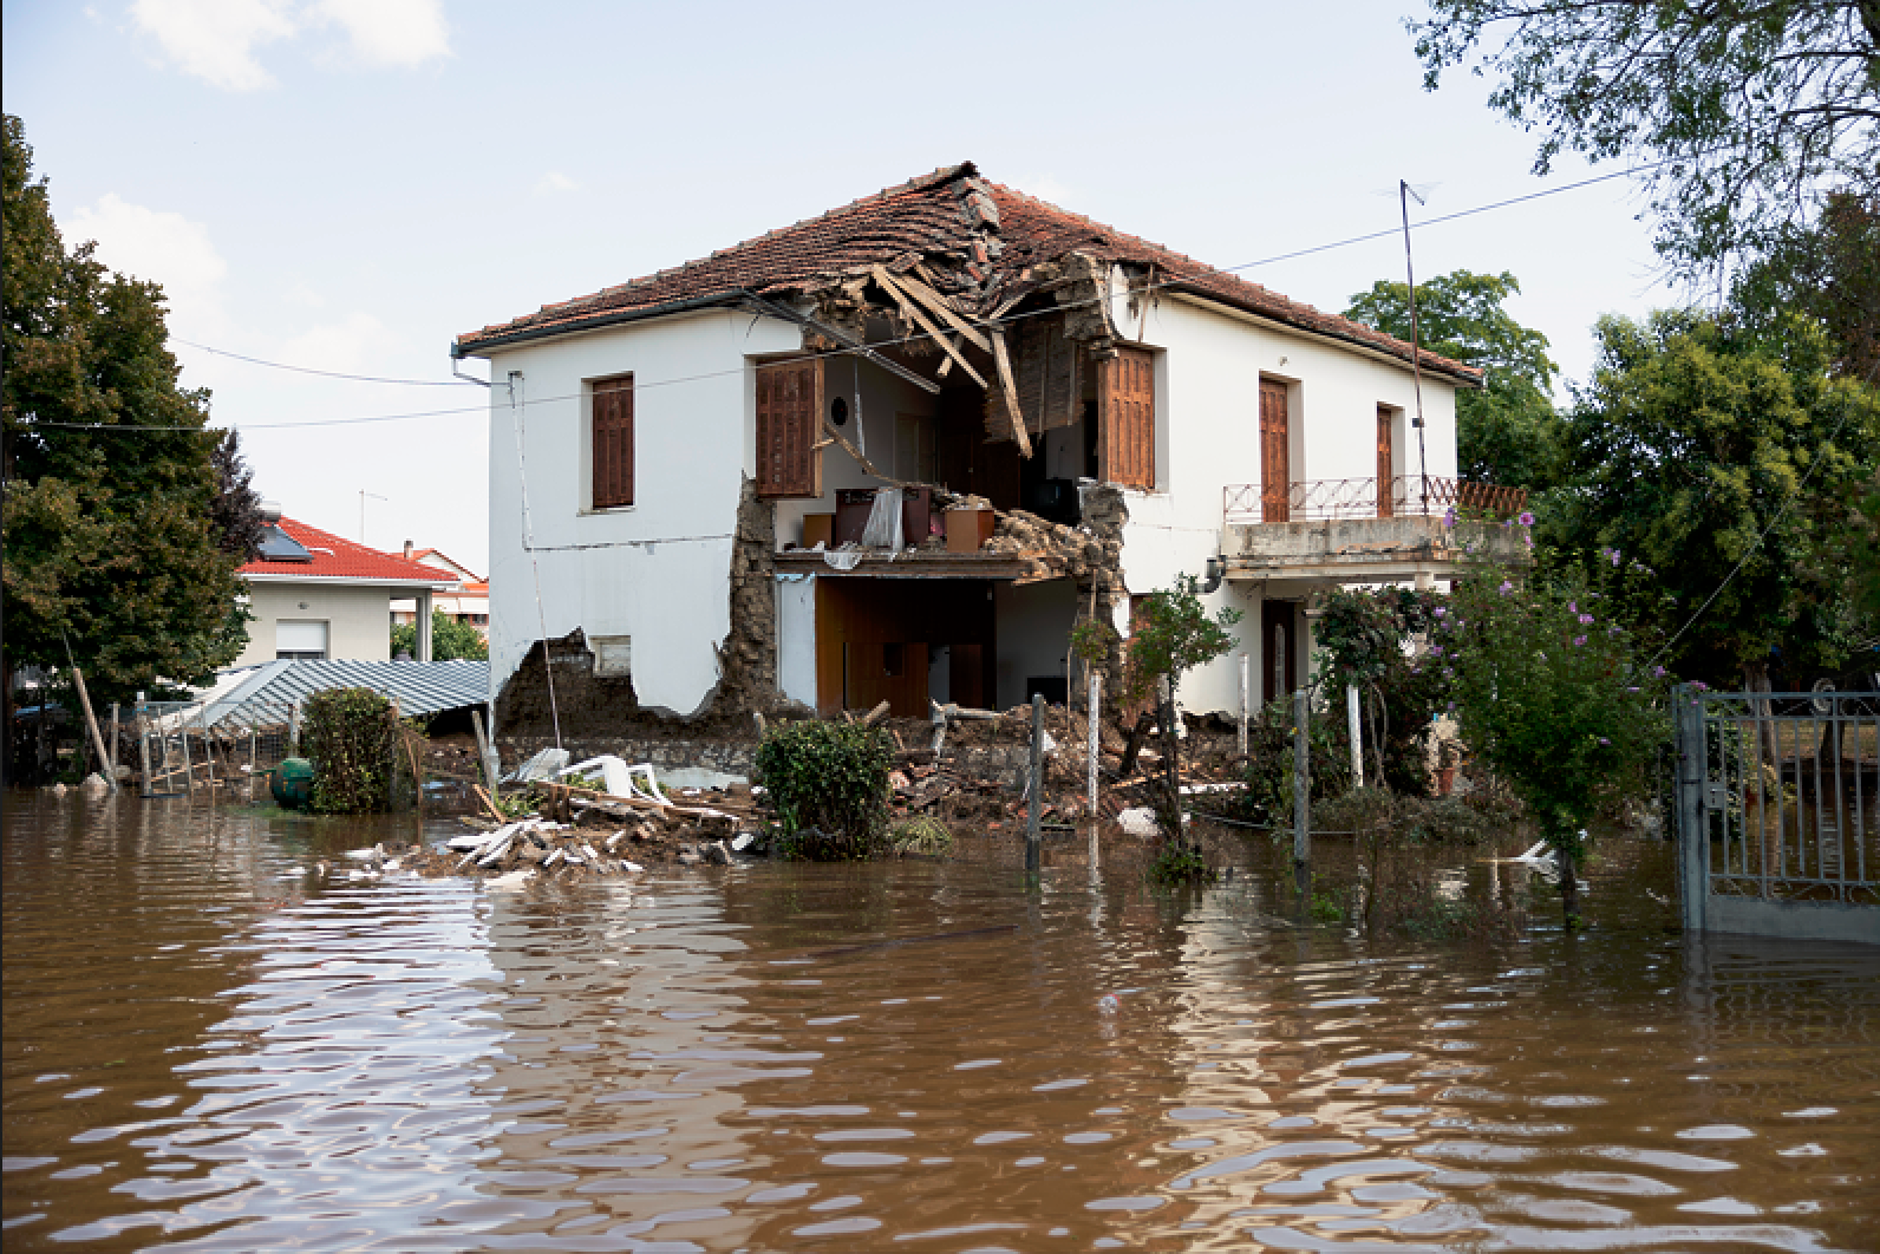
pixel 349 735
pixel 828 785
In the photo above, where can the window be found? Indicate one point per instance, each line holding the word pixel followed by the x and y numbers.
pixel 300 641
pixel 789 416
pixel 613 442
pixel 1126 416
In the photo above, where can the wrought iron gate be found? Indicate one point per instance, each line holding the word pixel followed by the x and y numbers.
pixel 1778 813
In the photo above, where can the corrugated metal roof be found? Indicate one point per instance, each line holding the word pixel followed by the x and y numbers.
pixel 261 694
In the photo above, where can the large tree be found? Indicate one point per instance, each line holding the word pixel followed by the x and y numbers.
pixel 1830 271
pixel 1749 112
pixel 125 517
pixel 1732 464
pixel 1508 432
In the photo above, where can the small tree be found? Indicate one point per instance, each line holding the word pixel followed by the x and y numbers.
pixel 1551 692
pixel 1364 637
pixel 450 639
pixel 1173 635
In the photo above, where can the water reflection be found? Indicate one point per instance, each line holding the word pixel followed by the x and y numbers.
pixel 208 1047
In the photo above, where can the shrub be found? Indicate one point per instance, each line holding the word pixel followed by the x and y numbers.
pixel 349 736
pixel 828 786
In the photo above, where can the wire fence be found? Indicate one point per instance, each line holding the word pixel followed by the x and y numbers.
pixel 188 748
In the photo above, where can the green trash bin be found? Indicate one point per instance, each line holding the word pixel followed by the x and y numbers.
pixel 292 783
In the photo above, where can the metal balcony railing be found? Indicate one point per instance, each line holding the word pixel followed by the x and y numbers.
pixel 1402 497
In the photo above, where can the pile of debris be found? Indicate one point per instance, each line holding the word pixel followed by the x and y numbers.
pixel 514 853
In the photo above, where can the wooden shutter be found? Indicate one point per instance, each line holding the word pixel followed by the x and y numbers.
pixel 789 415
pixel 1275 456
pixel 1126 419
pixel 1386 459
pixel 613 442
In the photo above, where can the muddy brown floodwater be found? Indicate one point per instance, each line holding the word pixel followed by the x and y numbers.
pixel 208 1048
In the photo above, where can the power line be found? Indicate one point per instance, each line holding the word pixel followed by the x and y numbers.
pixel 325 374
pixel 1003 320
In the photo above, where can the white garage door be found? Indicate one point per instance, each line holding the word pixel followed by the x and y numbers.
pixel 300 640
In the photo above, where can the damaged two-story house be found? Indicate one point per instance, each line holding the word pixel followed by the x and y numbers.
pixel 681 466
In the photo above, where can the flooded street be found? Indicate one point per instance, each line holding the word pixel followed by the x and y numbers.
pixel 208 1048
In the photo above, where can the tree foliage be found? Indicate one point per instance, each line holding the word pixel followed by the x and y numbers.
pixel 1732 466
pixel 1553 694
pixel 450 639
pixel 1363 638
pixel 1173 635
pixel 1756 108
pixel 1828 271
pixel 1508 432
pixel 121 541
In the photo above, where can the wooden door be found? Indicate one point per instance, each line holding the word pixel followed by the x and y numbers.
pixel 1275 460
pixel 1386 459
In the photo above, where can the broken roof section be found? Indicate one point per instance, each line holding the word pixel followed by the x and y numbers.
pixel 982 245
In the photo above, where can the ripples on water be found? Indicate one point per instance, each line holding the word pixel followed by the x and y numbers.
pixel 206 1049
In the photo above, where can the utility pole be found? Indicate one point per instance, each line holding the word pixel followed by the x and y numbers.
pixel 1404 193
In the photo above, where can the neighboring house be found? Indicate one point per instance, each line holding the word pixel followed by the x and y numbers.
pixel 684 433
pixel 470 603
pixel 314 596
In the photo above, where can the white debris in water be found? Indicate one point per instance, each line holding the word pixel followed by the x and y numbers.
pixel 742 841
pixel 515 879
pixel 1139 821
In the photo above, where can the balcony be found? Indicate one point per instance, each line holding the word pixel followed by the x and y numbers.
pixel 1338 531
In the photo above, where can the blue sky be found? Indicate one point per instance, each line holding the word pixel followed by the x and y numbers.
pixel 347 184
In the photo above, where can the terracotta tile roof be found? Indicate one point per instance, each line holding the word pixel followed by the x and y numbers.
pixel 337 558
pixel 986 244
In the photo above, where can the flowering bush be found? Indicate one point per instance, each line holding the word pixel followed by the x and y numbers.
pixel 1552 694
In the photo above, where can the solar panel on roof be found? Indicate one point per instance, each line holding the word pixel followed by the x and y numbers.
pixel 278 546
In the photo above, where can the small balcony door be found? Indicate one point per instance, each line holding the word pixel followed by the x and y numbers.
pixel 1386 458
pixel 1275 460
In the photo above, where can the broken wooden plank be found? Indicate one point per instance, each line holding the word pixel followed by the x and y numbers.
pixel 847 341
pixel 888 284
pixel 1010 389
pixel 877 714
pixel 867 466
pixel 931 299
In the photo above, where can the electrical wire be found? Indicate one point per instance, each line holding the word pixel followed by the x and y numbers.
pixel 325 374
pixel 1003 320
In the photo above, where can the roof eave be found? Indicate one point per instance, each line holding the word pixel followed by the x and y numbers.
pixel 1465 377
pixel 480 345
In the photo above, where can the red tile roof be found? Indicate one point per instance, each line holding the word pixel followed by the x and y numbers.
pixel 336 558
pixel 986 244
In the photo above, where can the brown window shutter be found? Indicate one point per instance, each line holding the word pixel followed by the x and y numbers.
pixel 789 413
pixel 613 442
pixel 1126 418
pixel 1275 453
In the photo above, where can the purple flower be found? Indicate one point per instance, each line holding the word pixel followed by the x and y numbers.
pixel 1449 517
pixel 1505 588
pixel 1573 607
pixel 1526 519
pixel 1436 650
pixel 1658 672
pixel 1701 686
pixel 1585 619
pixel 1604 741
pixel 1579 640
pixel 1441 612
pixel 1615 557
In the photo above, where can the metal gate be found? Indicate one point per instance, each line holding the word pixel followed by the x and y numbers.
pixel 1778 812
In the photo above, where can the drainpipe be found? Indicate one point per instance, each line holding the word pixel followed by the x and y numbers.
pixel 1212 574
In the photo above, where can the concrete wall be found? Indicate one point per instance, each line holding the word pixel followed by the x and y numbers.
pixel 1208 420
pixel 655 571
pixel 1034 626
pixel 359 619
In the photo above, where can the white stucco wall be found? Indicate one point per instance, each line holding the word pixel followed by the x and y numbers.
pixel 1033 634
pixel 656 571
pixel 358 618
pixel 796 637
pixel 1208 418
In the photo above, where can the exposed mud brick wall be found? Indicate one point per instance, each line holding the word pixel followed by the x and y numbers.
pixel 588 704
pixel 747 660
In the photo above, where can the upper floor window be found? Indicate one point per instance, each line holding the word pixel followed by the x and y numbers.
pixel 1126 418
pixel 612 434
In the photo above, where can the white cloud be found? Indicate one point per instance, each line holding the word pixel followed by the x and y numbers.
pixel 389 32
pixel 555 181
pixel 215 39
pixel 347 346
pixel 161 247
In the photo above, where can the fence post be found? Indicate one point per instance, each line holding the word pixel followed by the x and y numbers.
pixel 208 750
pixel 1357 735
pixel 1302 791
pixel 1093 711
pixel 1245 690
pixel 486 751
pixel 1036 788
pixel 189 768
pixel 1693 830
pixel 112 766
pixel 142 720
pixel 293 729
